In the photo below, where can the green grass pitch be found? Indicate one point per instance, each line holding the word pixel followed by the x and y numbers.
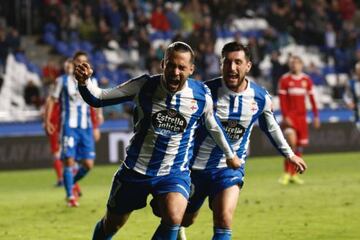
pixel 327 206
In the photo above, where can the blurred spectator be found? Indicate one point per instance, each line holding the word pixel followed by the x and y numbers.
pixel 187 18
pixel 32 94
pixel 158 19
pixel 88 28
pixel 50 71
pixel 114 17
pixel 299 14
pixel 144 46
pixel 257 54
pixel 315 74
pixel 347 9
pixel 329 26
pixel 211 63
pixel 277 70
pixel 330 41
pixel 74 22
pixel 278 18
pixel 4 49
pixel 13 40
pixel 172 17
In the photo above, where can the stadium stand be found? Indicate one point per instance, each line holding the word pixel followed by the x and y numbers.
pixel 125 38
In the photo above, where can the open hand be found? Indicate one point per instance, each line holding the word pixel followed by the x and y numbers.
pixel 299 162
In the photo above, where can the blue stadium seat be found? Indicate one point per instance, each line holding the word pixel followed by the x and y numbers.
pixel 21 58
pixel 63 49
pixel 34 68
pixel 86 46
pixel 122 76
pixel 156 35
pixel 73 47
pixel 49 38
pixel 50 28
pixel 168 35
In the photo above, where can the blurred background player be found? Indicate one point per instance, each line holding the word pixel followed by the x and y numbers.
pixel 352 95
pixel 239 103
pixel 53 131
pixel 55 119
pixel 77 137
pixel 294 86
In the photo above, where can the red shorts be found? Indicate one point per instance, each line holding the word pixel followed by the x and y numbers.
pixel 301 128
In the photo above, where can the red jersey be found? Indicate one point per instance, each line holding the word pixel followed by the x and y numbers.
pixel 292 92
pixel 94 119
pixel 55 116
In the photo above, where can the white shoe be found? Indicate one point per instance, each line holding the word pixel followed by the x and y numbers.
pixel 181 234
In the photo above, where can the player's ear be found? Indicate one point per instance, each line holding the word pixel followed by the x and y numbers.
pixel 248 66
pixel 192 69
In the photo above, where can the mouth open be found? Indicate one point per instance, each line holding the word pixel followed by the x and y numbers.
pixel 173 84
pixel 233 76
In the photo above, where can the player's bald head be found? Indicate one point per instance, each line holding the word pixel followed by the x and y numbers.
pixel 179 47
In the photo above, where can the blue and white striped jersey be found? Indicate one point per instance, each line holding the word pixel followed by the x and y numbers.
pixel 164 123
pixel 237 112
pixel 75 113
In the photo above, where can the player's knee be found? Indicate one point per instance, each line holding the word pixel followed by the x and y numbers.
pixel 188 220
pixel 88 164
pixel 113 224
pixel 223 219
pixel 173 218
pixel 69 162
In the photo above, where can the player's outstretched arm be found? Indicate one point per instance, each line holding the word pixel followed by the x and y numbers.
pixel 97 97
pixel 299 162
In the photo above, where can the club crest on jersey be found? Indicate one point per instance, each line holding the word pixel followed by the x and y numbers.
pixel 254 107
pixel 304 84
pixel 168 122
pixel 193 106
pixel 233 129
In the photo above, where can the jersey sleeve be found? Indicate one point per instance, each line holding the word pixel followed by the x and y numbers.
pixel 97 97
pixel 310 90
pixel 55 91
pixel 215 129
pixel 271 128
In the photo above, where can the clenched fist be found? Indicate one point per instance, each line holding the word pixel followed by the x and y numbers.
pixel 83 72
pixel 234 162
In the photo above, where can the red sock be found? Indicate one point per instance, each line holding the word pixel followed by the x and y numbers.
pixel 58 169
pixel 292 169
pixel 292 166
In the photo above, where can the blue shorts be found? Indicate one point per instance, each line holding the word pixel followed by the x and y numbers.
pixel 208 183
pixel 77 143
pixel 130 189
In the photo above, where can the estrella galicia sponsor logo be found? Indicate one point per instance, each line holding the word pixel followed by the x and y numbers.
pixel 233 129
pixel 168 122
